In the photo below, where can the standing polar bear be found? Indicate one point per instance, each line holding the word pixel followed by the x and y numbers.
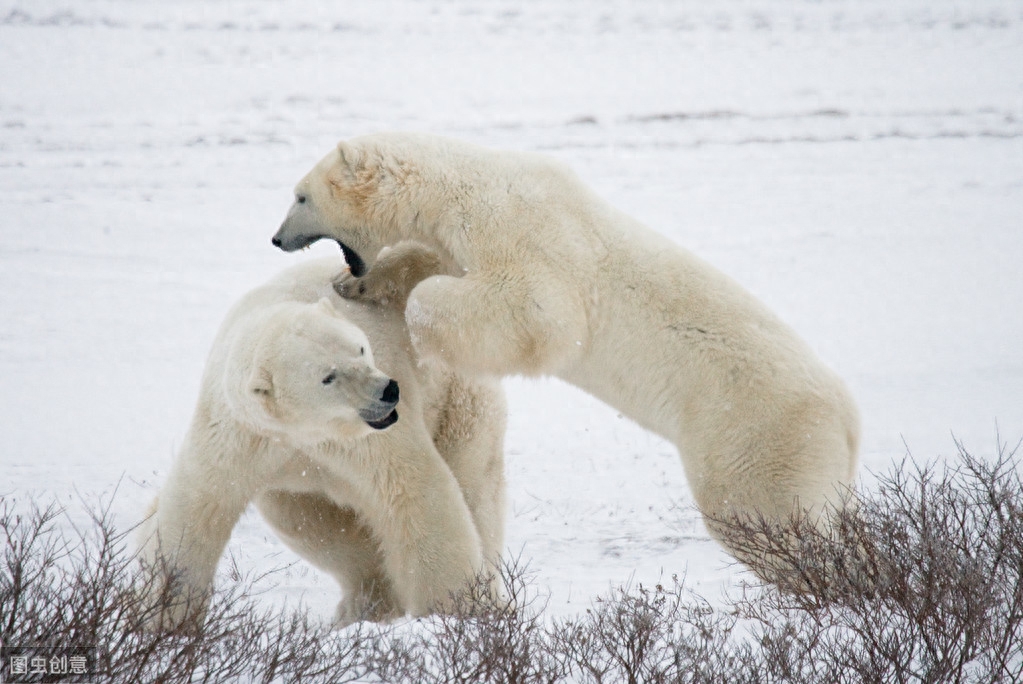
pixel 556 281
pixel 297 412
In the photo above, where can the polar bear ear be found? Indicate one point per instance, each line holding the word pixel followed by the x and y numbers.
pixel 351 158
pixel 260 391
pixel 261 387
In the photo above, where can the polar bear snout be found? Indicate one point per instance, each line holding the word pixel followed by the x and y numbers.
pixel 382 414
pixel 287 242
pixel 305 224
pixel 390 393
pixel 300 228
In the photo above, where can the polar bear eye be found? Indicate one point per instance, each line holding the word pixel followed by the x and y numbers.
pixel 300 199
pixel 331 377
pixel 362 351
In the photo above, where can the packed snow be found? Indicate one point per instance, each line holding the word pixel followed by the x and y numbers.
pixel 857 164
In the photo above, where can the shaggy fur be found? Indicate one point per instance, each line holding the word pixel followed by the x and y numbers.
pixel 553 280
pixel 297 413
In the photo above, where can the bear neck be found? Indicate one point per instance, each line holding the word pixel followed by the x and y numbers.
pixel 442 226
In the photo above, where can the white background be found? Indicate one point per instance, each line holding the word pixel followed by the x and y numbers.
pixel 857 164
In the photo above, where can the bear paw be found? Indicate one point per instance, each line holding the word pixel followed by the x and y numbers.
pixel 369 289
pixel 364 607
pixel 397 270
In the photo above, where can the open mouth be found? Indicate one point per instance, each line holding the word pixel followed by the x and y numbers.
pixel 352 258
pixel 385 422
pixel 354 261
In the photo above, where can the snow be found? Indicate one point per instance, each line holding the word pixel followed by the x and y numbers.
pixel 857 164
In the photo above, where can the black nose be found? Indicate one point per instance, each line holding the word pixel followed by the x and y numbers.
pixel 276 241
pixel 390 394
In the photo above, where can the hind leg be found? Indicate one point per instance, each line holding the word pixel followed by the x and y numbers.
pixel 762 511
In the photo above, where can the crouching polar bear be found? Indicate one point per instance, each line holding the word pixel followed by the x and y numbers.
pixel 297 412
pixel 556 281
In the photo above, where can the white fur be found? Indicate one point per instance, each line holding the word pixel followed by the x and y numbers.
pixel 402 517
pixel 556 281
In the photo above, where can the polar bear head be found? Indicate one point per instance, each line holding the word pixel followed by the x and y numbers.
pixel 367 193
pixel 310 376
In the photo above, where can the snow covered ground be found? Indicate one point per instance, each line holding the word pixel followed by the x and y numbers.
pixel 857 164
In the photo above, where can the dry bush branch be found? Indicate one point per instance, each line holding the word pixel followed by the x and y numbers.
pixel 481 641
pixel 919 579
pixel 84 589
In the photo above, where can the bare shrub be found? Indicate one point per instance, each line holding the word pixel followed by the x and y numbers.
pixel 655 635
pixel 67 591
pixel 917 580
pixel 481 641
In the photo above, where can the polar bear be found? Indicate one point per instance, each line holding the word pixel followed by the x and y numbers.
pixel 555 281
pixel 299 412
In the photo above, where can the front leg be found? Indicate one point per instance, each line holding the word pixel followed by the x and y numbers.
pixel 430 546
pixel 497 324
pixel 182 543
pixel 396 271
pixel 182 539
pixel 470 437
